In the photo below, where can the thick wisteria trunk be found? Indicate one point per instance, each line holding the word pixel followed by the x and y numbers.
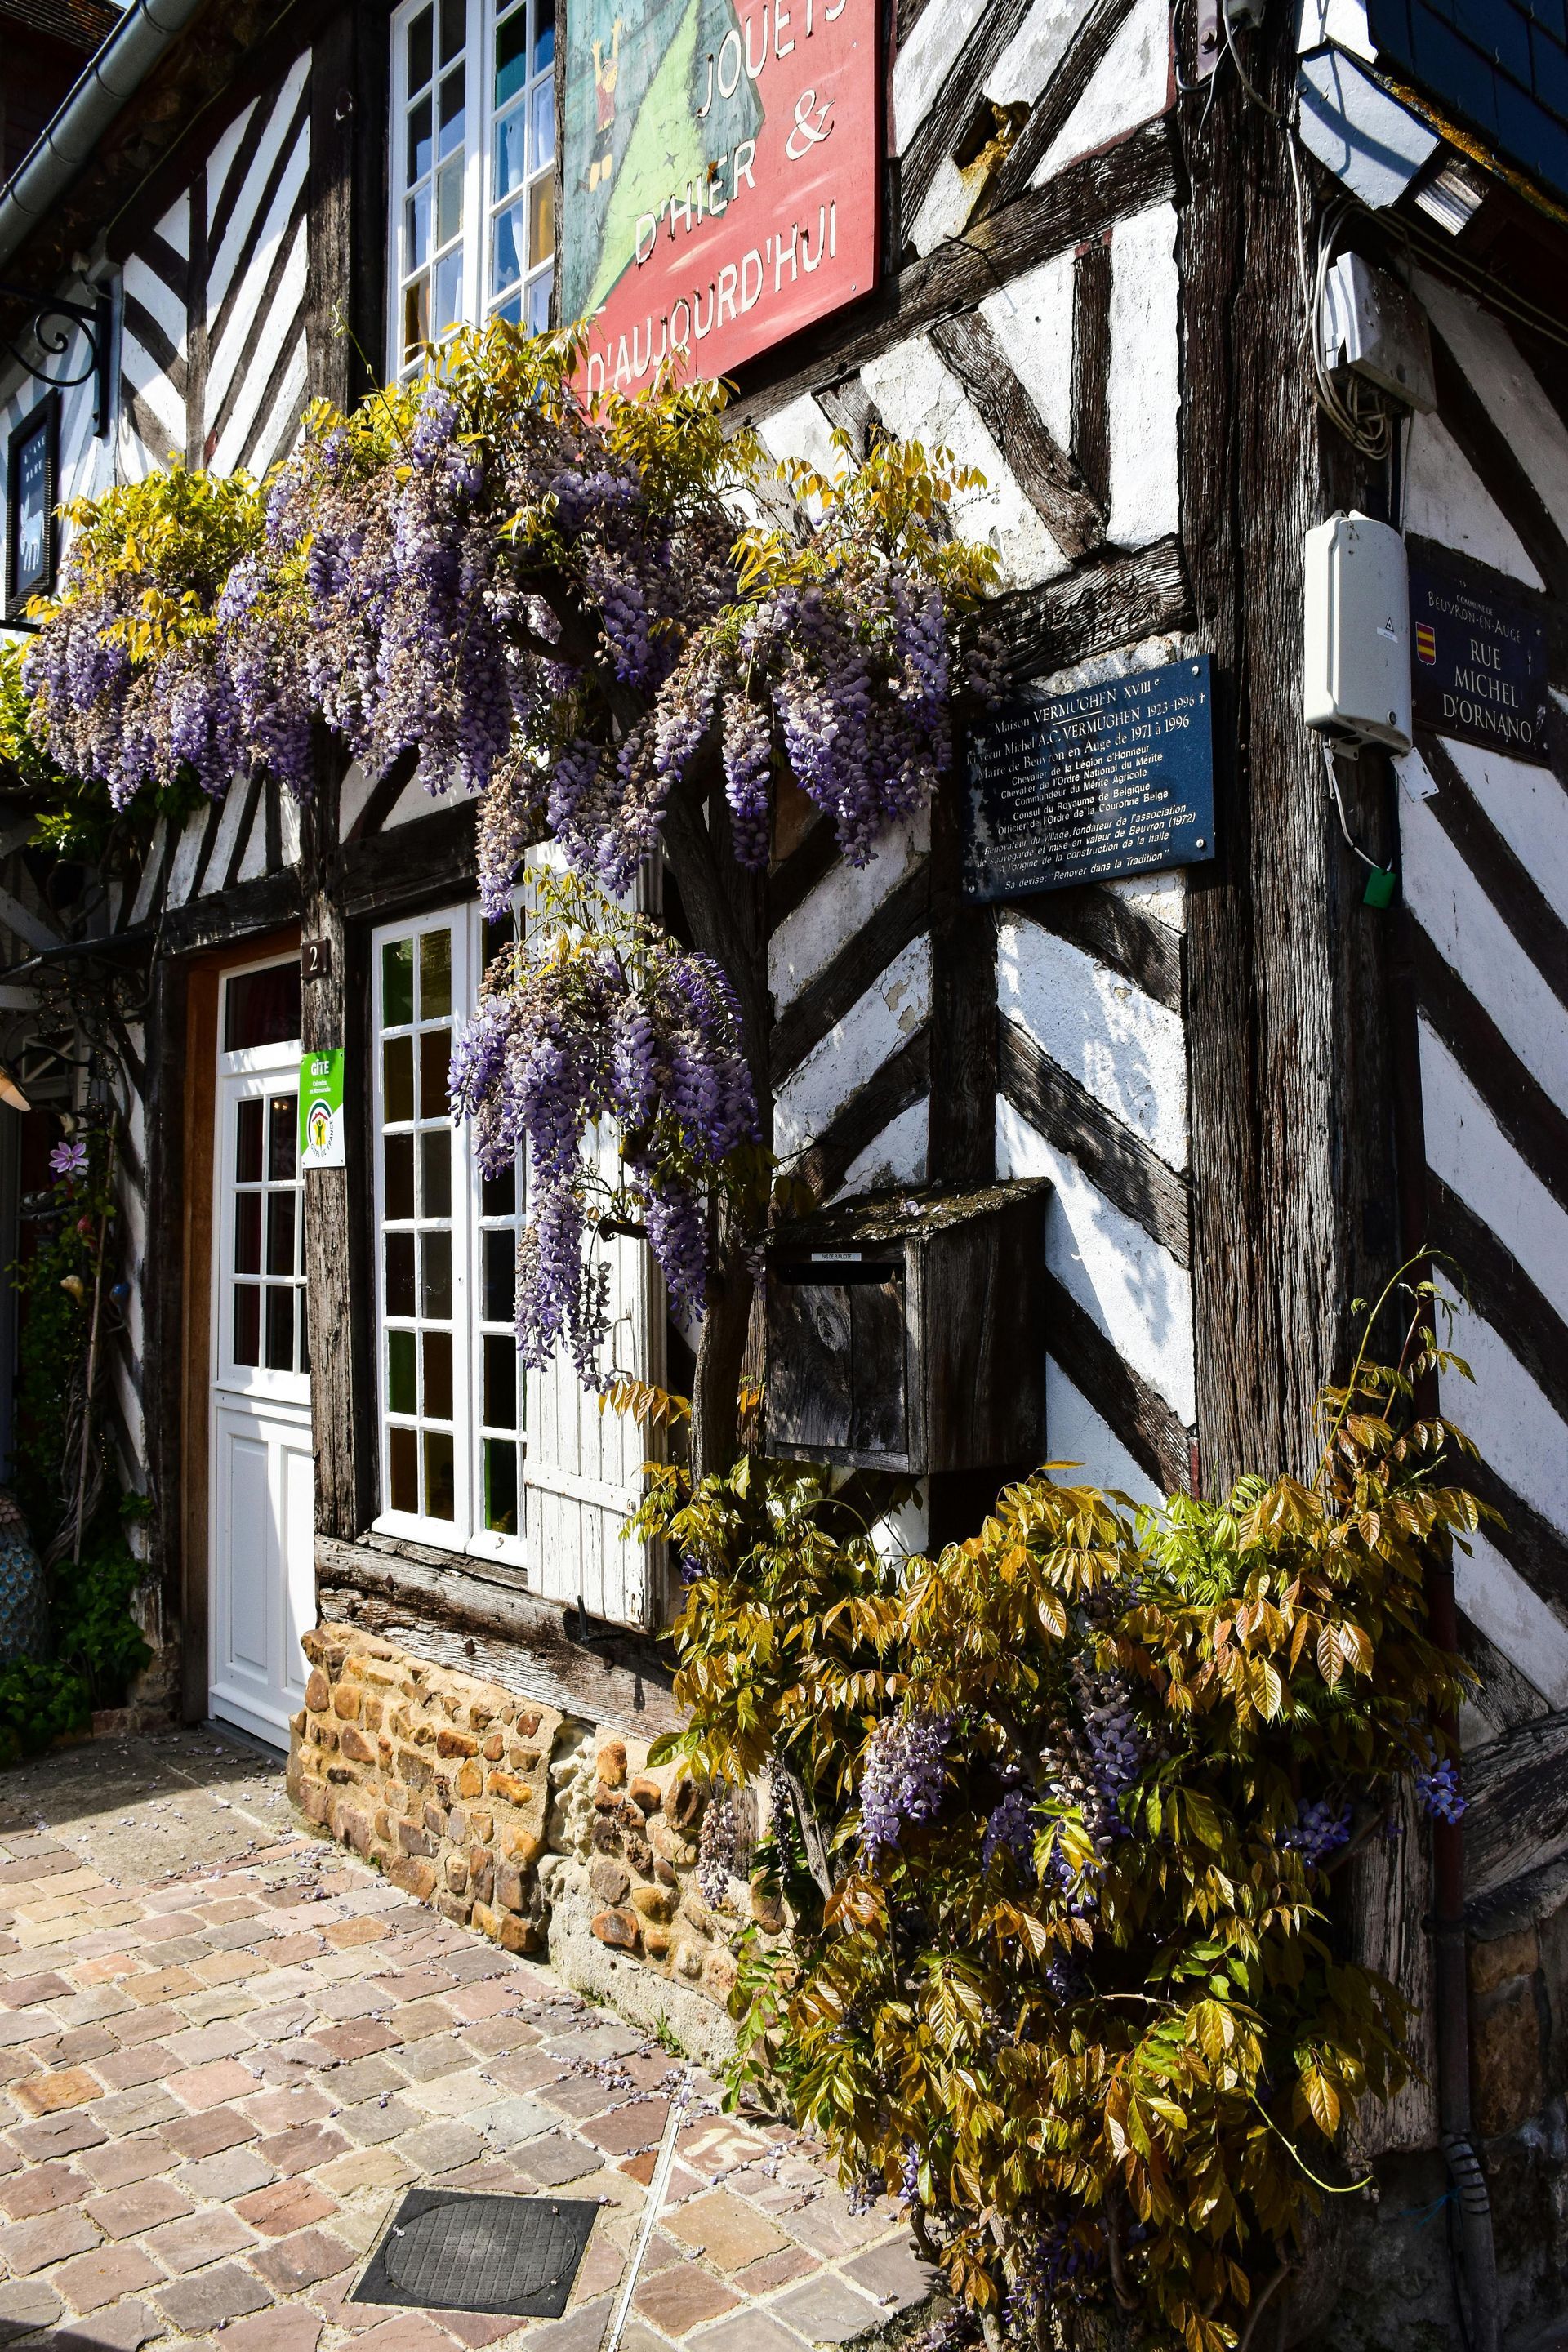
pixel 726 908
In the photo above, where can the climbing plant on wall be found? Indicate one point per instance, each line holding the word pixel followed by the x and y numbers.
pixel 585 612
pixel 1057 1816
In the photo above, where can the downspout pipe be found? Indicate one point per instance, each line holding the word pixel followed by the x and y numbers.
pixel 65 144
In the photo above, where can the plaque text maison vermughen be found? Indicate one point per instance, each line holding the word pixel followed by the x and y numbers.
pixel 1115 779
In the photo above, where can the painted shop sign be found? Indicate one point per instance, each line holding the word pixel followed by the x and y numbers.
pixel 721 167
pixel 322 1109
pixel 1479 666
pixel 1116 779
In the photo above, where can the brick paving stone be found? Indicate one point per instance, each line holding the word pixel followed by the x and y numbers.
pixel 132 2111
pixel 746 2331
pixel 555 2159
pixel 894 2273
pixel 581 2331
pixel 120 2162
pixel 302 2259
pixel 203 2044
pixel 825 2225
pixel 778 2270
pixel 234 2173
pixel 149 2025
pixel 298 2150
pixel 41 2190
pixel 577 2094
pixel 442 2147
pixel 526 2070
pixel 626 2129
pixel 365 2078
pixel 82 2046
pixel 27 2303
pixel 360 2037
pixel 438 2055
pixel 207 2134
pixel 46 2095
pixel 29 2246
pixel 274 2331
pixel 126 2212
pixel 210 2298
pixel 198 2239
pixel 145 2061
pixel 727 2232
pixel 287 2205
pixel 375 2122
pixel 681 2298
pixel 276 2111
pixel 26 1992
pixel 122 2327
pixel 104 2276
pixel 369 2167
pixel 201 2087
pixel 825 2311
pixel 161 1985
pixel 412 2333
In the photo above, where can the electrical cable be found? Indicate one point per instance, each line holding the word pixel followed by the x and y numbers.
pixel 1351 844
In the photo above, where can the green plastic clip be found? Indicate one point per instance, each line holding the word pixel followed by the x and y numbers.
pixel 1380 885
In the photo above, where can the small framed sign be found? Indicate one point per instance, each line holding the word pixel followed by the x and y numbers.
pixel 321 1109
pixel 1115 779
pixel 32 532
pixel 1480 661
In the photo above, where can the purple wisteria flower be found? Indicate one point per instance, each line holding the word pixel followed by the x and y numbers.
pixel 1437 1791
pixel 68 1160
pixel 1010 1826
pixel 1319 1829
pixel 902 1779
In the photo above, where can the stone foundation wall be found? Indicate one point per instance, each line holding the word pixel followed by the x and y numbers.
pixel 537 1829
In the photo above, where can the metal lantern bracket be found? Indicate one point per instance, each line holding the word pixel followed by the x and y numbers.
pixel 51 325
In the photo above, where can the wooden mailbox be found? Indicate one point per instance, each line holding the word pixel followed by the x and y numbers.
pixel 906 1331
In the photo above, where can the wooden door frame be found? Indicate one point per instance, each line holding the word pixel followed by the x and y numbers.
pixel 203 976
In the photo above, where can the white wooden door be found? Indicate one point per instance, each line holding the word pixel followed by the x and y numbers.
pixel 262 1471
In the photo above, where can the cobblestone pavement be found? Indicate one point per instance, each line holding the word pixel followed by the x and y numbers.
pixel 227 2048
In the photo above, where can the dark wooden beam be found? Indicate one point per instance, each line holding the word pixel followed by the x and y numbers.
pixel 1500 1291
pixel 1503 471
pixel 904 1078
pixel 1058 488
pixel 1086 50
pixel 229 915
pixel 1106 601
pixel 430 857
pixel 1139 1416
pixel 867 954
pixel 951 112
pixel 1134 1179
pixel 1091 366
pixel 1516 1791
pixel 793 880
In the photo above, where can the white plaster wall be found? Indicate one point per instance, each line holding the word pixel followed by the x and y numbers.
pixel 806 942
pixel 1504 1411
pixel 1035 51
pixel 1471 936
pixel 927 58
pixel 1528 808
pixel 1445 499
pixel 1125 1281
pixel 1130 85
pixel 1127 1050
pixel 921 400
pixel 855 1048
pixel 1145 379
pixel 1531 1635
pixel 1508 389
pixel 1032 319
pixel 1465 1147
pixel 1076 1434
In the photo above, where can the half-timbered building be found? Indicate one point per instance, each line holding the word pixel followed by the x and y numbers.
pixel 1232 1095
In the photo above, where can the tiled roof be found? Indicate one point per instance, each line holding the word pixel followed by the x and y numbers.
pixel 83 25
pixel 1499 65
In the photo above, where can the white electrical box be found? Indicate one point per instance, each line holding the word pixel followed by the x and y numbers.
pixel 1374 328
pixel 1357 683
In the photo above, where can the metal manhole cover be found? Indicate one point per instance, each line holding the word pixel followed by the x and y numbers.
pixel 449 2251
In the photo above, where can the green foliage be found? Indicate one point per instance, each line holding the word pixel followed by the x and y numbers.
pixel 94 1645
pixel 1109 2056
pixel 175 536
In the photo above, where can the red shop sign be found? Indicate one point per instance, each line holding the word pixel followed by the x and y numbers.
pixel 722 172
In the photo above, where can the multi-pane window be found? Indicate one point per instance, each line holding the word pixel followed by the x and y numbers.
pixel 263 1342
pixel 450 1382
pixel 473 228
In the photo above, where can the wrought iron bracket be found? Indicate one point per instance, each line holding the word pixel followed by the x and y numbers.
pixel 52 325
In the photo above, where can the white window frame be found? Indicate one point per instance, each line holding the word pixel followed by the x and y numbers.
pixel 479 207
pixel 254 1071
pixel 463 1533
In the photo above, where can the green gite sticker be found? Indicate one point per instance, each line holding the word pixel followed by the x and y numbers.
pixel 321 1109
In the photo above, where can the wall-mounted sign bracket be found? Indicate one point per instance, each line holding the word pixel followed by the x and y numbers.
pixel 51 326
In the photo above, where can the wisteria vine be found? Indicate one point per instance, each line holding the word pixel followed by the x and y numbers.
pixel 561 606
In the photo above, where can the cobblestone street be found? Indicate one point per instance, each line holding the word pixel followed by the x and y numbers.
pixel 226 2049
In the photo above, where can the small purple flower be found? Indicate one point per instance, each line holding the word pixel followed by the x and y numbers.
pixel 1437 1789
pixel 1321 1829
pixel 1010 1826
pixel 69 1161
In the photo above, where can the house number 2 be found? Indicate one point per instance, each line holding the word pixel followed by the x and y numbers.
pixel 316 959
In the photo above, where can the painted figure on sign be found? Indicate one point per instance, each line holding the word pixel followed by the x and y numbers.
pixel 606 71
pixel 647 127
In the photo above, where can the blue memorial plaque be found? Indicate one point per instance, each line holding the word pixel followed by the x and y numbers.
pixel 1116 779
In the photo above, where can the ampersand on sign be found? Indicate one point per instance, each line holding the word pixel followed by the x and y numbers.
pixel 811 133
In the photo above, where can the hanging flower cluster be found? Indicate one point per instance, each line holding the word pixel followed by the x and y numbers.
pixel 599 1017
pixel 554 604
